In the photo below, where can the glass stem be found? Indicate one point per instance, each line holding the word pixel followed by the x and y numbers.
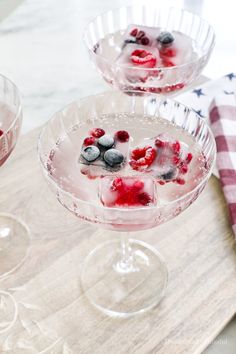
pixel 126 262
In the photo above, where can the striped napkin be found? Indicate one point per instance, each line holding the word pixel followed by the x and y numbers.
pixel 215 101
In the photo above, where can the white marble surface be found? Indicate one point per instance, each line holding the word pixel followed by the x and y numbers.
pixel 42 52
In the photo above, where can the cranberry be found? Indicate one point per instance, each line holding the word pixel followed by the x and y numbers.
pixel 159 143
pixel 167 63
pixel 122 136
pixel 175 160
pixel 168 52
pixel 134 32
pixel 97 132
pixel 140 34
pixel 145 40
pixel 1 132
pixel 176 147
pixel 180 181
pixel 183 168
pixel 143 57
pixel 90 140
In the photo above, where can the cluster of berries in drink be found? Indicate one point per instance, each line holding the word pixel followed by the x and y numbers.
pixel 162 158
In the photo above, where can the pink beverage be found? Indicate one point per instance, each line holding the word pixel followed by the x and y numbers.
pixel 125 173
pixel 140 52
pixel 9 131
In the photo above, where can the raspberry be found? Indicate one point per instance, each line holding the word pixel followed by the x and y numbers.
pixel 176 147
pixel 142 157
pixel 1 132
pixel 180 181
pixel 189 158
pixel 144 198
pixel 140 34
pixel 143 57
pixel 90 140
pixel 122 136
pixel 117 184
pixel 159 143
pixel 97 132
pixel 134 32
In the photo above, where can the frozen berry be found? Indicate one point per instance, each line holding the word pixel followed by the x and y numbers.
pixel 117 184
pixel 113 157
pixel 175 160
pixel 138 185
pixel 1 132
pixel 143 57
pixel 140 34
pixel 106 141
pixel 167 63
pixel 90 153
pixel 97 132
pixel 142 157
pixel 183 168
pixel 144 198
pixel 167 52
pixel 122 136
pixel 134 32
pixel 180 181
pixel 159 143
pixel 189 157
pixel 145 41
pixel 165 38
pixel 90 140
pixel 169 175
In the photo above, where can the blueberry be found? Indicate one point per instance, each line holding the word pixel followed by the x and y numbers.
pixel 165 38
pixel 169 175
pixel 90 153
pixel 106 141
pixel 113 157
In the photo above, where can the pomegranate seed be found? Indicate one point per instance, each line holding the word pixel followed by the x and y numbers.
pixel 144 40
pixel 122 136
pixel 134 32
pixel 180 181
pixel 97 132
pixel 189 158
pixel 1 132
pixel 176 147
pixel 183 168
pixel 176 160
pixel 144 198
pixel 90 140
pixel 162 183
pixel 159 143
pixel 140 34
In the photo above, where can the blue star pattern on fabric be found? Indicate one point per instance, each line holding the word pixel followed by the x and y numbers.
pixel 228 92
pixel 231 76
pixel 199 112
pixel 165 103
pixel 198 92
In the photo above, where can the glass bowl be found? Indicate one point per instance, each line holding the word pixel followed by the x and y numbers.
pixel 164 80
pixel 126 279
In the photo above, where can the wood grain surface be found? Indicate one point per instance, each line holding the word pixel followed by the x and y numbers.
pixel 54 315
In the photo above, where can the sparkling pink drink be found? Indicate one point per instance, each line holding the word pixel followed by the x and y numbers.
pixel 148 183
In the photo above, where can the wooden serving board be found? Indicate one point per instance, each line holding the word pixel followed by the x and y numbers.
pixel 54 315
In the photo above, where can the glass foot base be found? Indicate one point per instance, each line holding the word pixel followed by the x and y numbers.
pixel 14 243
pixel 123 290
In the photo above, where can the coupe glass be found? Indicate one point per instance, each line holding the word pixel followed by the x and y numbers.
pixel 123 276
pixel 164 80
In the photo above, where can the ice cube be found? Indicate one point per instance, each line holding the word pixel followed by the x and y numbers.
pixel 143 35
pixel 105 156
pixel 127 192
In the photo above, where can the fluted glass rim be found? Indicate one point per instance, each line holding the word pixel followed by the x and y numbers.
pixel 164 69
pixel 156 207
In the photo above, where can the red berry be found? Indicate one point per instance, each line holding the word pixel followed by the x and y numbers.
pixel 140 34
pixel 1 132
pixel 175 160
pixel 90 140
pixel 144 198
pixel 161 182
pixel 159 143
pixel 189 157
pixel 183 168
pixel 122 136
pixel 176 147
pixel 142 157
pixel 143 57
pixel 97 132
pixel 138 185
pixel 168 52
pixel 117 184
pixel 167 63
pixel 144 40
pixel 180 181
pixel 134 32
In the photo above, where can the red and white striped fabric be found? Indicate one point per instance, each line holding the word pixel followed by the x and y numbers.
pixel 223 123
